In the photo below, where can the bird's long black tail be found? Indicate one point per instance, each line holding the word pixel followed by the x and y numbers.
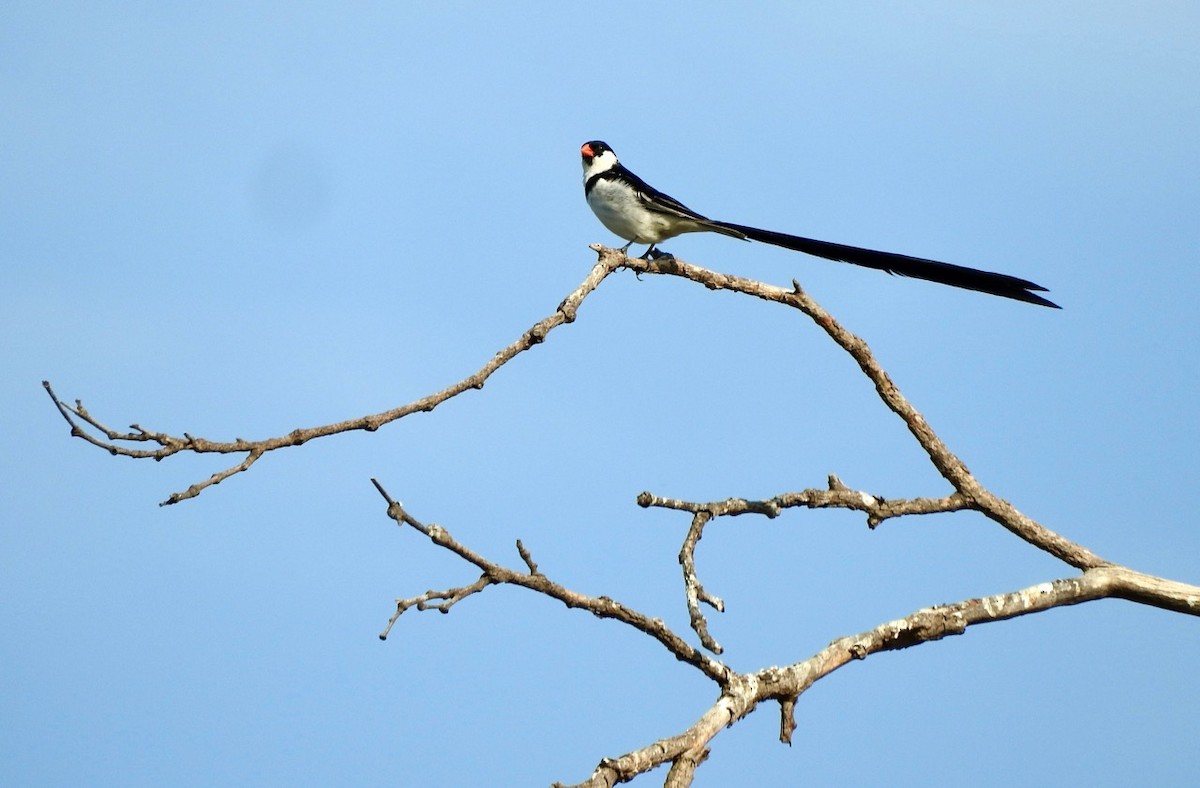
pixel 903 265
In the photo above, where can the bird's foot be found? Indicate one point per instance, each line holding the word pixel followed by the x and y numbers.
pixel 657 254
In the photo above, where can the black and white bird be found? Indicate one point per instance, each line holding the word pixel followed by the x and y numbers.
pixel 639 213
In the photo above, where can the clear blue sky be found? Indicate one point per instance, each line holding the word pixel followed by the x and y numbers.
pixel 239 219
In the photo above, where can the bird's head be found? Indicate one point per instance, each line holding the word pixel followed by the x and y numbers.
pixel 597 157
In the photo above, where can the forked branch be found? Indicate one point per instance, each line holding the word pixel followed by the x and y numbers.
pixel 741 693
pixel 495 574
pixel 784 685
pixel 738 694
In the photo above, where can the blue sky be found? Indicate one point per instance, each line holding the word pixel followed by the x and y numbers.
pixel 238 219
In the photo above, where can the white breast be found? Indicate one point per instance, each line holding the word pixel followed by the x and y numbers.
pixel 618 208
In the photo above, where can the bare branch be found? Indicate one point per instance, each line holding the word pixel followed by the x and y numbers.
pixel 216 478
pixel 742 694
pixel 693 589
pixel 449 597
pixel 527 557
pixel 114 442
pixel 876 507
pixel 683 769
pixel 838 495
pixel 937 622
pixel 951 467
pixel 1149 590
pixel 692 744
pixel 601 607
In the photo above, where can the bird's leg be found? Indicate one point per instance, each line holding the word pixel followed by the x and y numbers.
pixel 657 254
pixel 625 249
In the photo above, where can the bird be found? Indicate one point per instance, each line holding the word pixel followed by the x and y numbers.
pixel 641 214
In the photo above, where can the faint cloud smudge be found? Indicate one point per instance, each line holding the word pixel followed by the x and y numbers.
pixel 290 190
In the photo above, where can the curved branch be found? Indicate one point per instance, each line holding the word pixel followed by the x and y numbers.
pixel 168 445
pixel 740 694
pixel 694 592
pixel 948 465
pixel 746 691
pixel 601 606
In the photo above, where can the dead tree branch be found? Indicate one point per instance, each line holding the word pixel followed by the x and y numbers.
pixel 125 444
pixel 739 694
pixel 784 685
pixel 950 466
pixel 601 607
pixel 838 496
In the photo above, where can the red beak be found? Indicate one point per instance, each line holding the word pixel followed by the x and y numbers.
pixel 586 150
